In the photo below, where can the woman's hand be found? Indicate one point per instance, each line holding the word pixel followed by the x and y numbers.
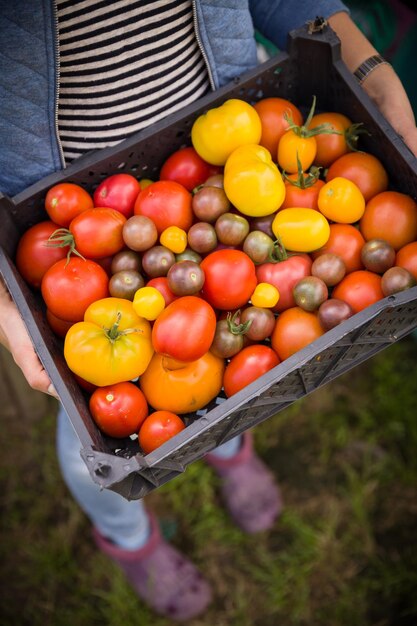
pixel 382 85
pixel 14 336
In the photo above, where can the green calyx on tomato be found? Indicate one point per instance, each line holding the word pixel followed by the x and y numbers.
pixel 305 131
pixel 111 345
pixel 63 238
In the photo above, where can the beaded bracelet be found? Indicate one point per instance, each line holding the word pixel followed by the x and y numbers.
pixel 368 66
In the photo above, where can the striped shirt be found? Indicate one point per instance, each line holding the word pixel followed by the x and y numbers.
pixel 124 64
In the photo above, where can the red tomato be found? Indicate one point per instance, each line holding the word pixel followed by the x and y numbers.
pixel 33 256
pixel 166 203
pixel 185 329
pixel 119 410
pixel 284 275
pixel 158 428
pixel 248 365
pixel 60 327
pixel 346 241
pixel 364 169
pixel 407 258
pixel 297 197
pixel 118 192
pixel 69 287
pixel 98 233
pixel 66 200
pixel 272 112
pixel 331 146
pixel 230 278
pixel 391 216
pixel 161 284
pixel 359 289
pixel 186 167
pixel 295 329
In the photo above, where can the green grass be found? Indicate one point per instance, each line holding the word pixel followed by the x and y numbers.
pixel 343 553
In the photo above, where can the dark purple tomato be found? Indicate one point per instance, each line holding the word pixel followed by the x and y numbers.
pixel 264 224
pixel 226 343
pixel 157 260
pixel 330 268
pixel 310 292
pixel 334 311
pixel 202 237
pixel 185 278
pixel 258 246
pixel 377 255
pixel 139 233
pixel 209 203
pixel 262 322
pixel 216 180
pixel 126 260
pixel 231 229
pixel 124 284
pixel 396 279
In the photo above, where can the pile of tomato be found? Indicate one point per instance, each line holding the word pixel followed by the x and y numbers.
pixel 266 232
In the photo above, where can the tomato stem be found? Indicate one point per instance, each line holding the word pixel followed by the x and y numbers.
pixel 305 131
pixel 277 252
pixel 234 328
pixel 61 238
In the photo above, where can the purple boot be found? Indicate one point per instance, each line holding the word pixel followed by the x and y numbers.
pixel 249 488
pixel 161 576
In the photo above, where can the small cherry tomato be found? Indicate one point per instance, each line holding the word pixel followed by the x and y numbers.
pixel 148 302
pixel 174 238
pixel 265 295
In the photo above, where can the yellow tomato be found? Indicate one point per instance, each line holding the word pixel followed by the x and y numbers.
pixel 148 302
pixel 221 130
pixel 252 182
pixel 265 296
pixel 291 146
pixel 174 238
pixel 301 230
pixel 340 200
pixel 111 345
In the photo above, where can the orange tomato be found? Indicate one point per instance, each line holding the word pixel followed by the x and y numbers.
pixel 272 112
pixel 359 289
pixel 340 200
pixel 346 241
pixel 292 145
pixel 295 329
pixel 331 146
pixel 182 387
pixel 391 216
pixel 363 169
pixel 407 258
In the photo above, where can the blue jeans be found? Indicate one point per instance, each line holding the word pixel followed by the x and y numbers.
pixel 124 522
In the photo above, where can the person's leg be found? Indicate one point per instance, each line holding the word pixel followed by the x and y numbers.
pixel 130 536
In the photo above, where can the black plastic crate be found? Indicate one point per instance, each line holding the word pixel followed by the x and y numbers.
pixel 312 66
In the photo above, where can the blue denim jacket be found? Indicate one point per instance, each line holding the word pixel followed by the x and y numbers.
pixel 29 145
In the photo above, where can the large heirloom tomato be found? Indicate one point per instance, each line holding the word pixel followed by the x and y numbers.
pixel 391 216
pixel 230 278
pixel 185 329
pixel 34 256
pixel 182 388
pixel 248 365
pixel 119 192
pixel 69 287
pixel 295 329
pixel 284 275
pixel 166 203
pixel 221 130
pixel 111 345
pixel 118 410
